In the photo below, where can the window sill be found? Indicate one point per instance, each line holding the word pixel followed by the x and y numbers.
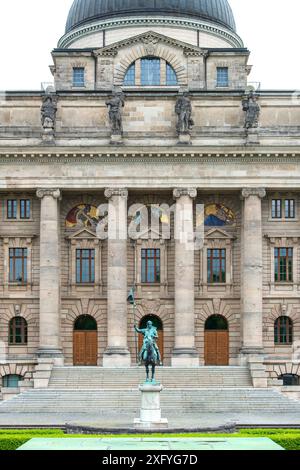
pixel 270 219
pixel 18 345
pixel 85 284
pixel 286 345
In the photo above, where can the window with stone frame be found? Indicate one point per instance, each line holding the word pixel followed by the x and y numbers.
pixel 18 209
pixel 283 208
pixel 18 265
pixel 283 264
pixel 222 77
pixel 216 266
pixel 150 71
pixel 18 331
pixel 150 266
pixel 85 266
pixel 283 330
pixel 78 76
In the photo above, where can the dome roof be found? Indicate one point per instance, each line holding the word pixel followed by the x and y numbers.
pixel 87 11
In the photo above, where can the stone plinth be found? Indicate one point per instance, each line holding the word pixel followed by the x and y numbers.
pixel 150 417
pixel 252 137
pixel 184 138
pixel 116 139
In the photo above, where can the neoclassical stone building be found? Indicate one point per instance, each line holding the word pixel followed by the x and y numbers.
pixel 108 132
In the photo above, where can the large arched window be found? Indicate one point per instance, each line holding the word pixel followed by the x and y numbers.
pixel 11 380
pixel 150 71
pixel 18 331
pixel 85 323
pixel 283 330
pixel 216 322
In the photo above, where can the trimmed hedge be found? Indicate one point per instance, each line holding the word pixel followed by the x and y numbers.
pixel 12 439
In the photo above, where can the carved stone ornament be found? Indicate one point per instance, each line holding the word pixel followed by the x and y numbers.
pixel 150 42
pixel 110 192
pixel 184 110
pixel 259 192
pixel 55 193
pixel 191 192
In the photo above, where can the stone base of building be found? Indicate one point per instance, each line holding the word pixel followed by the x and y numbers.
pixel 55 355
pixel 116 139
pixel 185 358
pixel 116 357
pixel 184 138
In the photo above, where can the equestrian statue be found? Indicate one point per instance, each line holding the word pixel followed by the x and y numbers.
pixel 149 354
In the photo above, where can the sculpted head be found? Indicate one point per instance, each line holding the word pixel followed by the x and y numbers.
pixel 149 324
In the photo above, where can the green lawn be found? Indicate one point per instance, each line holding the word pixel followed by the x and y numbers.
pixel 288 438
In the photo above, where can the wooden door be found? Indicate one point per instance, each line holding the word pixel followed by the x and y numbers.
pixel 85 348
pixel 159 342
pixel 216 348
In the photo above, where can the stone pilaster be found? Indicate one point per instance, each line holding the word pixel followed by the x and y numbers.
pixel 50 338
pixel 184 353
pixel 117 353
pixel 252 270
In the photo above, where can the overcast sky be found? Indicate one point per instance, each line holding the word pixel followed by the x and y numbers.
pixel 30 29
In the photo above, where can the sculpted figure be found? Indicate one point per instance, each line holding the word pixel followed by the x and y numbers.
pixel 149 353
pixel 183 110
pixel 115 105
pixel 48 112
pixel 252 111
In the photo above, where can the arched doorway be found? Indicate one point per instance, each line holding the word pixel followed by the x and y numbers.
pixel 85 341
pixel 216 341
pixel 159 325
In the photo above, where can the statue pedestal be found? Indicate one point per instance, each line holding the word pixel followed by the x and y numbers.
pixel 150 418
pixel 184 138
pixel 48 136
pixel 252 137
pixel 116 139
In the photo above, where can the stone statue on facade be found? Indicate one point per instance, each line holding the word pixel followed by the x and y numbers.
pixel 149 353
pixel 115 105
pixel 252 111
pixel 48 112
pixel 183 110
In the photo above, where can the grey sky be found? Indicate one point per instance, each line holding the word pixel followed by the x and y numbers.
pixel 30 29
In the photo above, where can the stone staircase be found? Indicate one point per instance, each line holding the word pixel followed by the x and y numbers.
pixel 175 378
pixel 173 401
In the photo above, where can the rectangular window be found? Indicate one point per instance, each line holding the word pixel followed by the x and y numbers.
pixel 216 266
pixel 222 77
pixel 289 208
pixel 150 266
pixel 25 208
pixel 276 209
pixel 150 72
pixel 78 76
pixel 12 208
pixel 283 258
pixel 18 265
pixel 85 266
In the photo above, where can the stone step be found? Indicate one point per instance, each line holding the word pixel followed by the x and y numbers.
pixel 186 401
pixel 97 377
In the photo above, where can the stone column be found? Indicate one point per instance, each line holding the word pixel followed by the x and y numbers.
pixel 117 353
pixel 50 341
pixel 252 267
pixel 184 353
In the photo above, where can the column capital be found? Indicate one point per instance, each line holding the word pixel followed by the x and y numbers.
pixel 191 192
pixel 259 192
pixel 121 192
pixel 55 193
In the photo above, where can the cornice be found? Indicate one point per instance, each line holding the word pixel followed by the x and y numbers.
pixel 115 156
pixel 186 23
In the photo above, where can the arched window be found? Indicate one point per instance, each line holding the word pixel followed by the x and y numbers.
pixel 150 71
pixel 283 330
pixel 290 380
pixel 216 322
pixel 11 381
pixel 18 331
pixel 85 323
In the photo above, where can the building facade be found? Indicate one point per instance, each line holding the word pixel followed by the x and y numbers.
pixel 151 109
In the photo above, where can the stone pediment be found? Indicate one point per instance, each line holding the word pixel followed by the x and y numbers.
pixel 217 233
pixel 83 233
pixel 150 40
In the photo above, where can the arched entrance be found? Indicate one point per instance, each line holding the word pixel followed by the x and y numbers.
pixel 85 341
pixel 216 341
pixel 159 325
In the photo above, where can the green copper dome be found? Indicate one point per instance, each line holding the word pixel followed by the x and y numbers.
pixel 87 11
